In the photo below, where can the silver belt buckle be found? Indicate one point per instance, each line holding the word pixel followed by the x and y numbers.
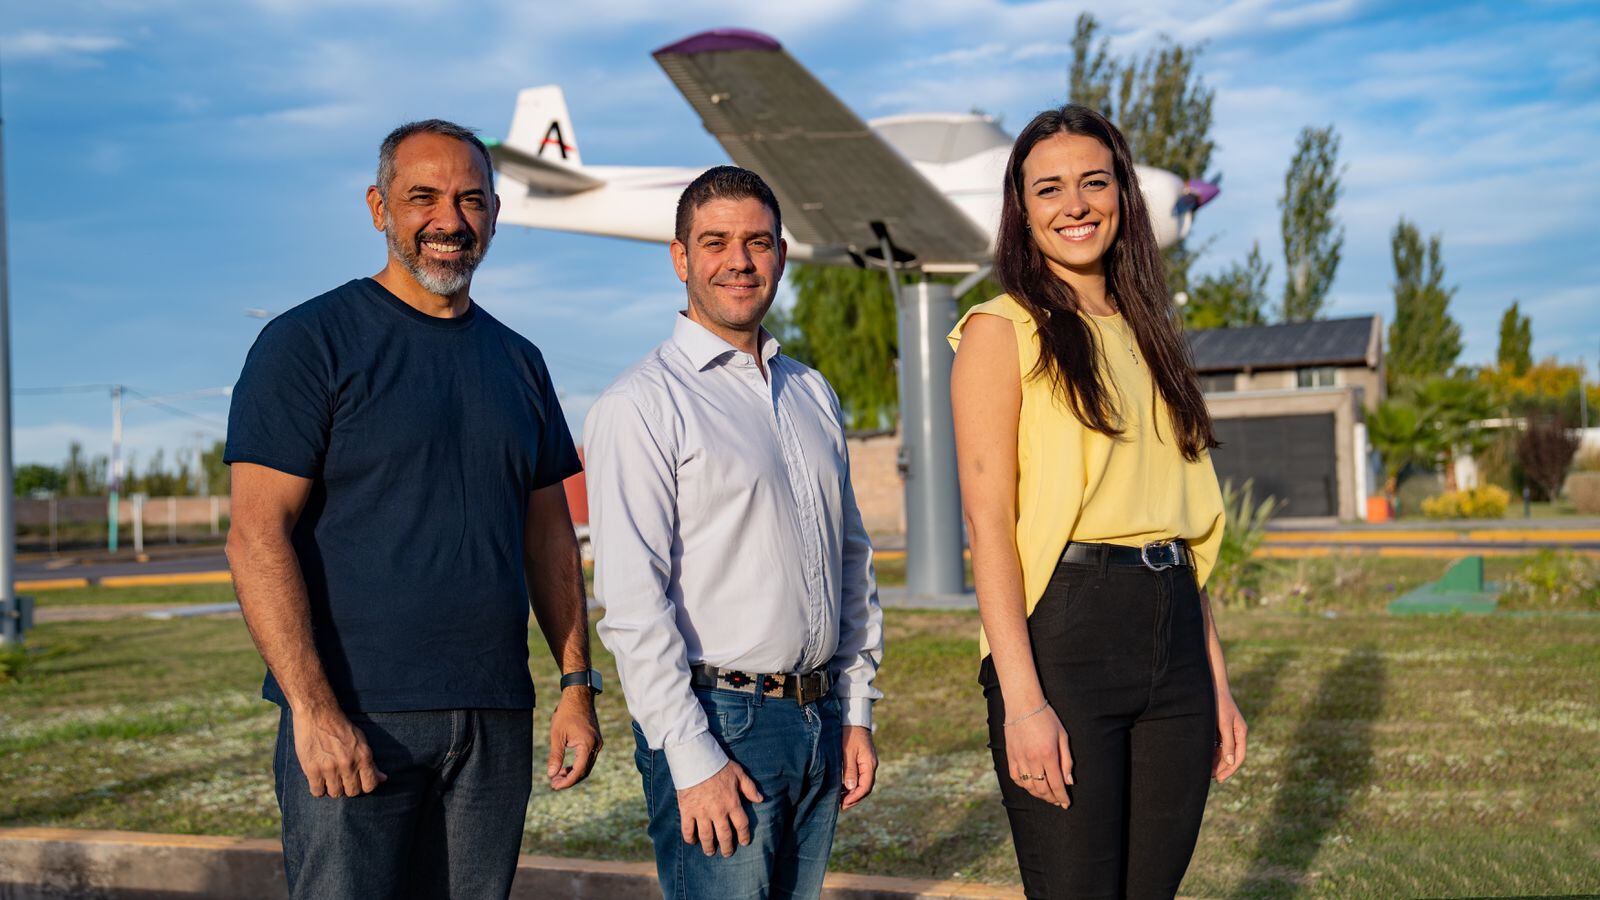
pixel 1144 556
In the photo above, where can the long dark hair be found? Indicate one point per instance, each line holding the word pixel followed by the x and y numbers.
pixel 1135 276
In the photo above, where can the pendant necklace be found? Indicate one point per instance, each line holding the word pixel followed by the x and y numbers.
pixel 1124 330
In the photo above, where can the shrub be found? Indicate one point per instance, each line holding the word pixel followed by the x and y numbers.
pixel 1583 492
pixel 1234 580
pixel 1587 461
pixel 1545 452
pixel 1487 501
pixel 1554 581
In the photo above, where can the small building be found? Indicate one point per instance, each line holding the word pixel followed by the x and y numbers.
pixel 1289 403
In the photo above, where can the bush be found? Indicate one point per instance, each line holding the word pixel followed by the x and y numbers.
pixel 1586 461
pixel 1545 452
pixel 1583 492
pixel 1554 581
pixel 1235 578
pixel 1485 502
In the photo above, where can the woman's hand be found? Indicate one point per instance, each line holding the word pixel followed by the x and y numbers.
pixel 1231 737
pixel 1040 761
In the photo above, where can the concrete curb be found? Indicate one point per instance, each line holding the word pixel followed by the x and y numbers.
pixel 119 581
pixel 64 862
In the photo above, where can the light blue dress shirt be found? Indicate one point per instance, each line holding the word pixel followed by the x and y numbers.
pixel 725 531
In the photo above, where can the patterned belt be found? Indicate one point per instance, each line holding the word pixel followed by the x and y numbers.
pixel 807 688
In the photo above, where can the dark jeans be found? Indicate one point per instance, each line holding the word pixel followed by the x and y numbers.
pixel 1121 654
pixel 793 753
pixel 446 823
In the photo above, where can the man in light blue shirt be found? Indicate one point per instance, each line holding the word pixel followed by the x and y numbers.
pixel 737 578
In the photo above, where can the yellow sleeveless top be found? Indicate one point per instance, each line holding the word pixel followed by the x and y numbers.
pixel 1076 484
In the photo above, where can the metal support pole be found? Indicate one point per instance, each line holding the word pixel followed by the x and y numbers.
pixel 138 524
pixel 12 608
pixel 55 525
pixel 172 520
pixel 216 516
pixel 934 564
pixel 113 505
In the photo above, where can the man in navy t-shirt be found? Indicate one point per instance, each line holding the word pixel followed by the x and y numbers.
pixel 397 463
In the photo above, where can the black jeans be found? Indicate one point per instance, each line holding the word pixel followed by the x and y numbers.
pixel 447 823
pixel 1121 655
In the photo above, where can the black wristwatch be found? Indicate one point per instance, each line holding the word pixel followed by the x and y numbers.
pixel 589 678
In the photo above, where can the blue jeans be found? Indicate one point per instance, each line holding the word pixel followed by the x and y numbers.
pixel 446 823
pixel 793 753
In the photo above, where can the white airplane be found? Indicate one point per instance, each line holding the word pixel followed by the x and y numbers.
pixel 925 187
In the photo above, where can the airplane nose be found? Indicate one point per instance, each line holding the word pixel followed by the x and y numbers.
pixel 1203 192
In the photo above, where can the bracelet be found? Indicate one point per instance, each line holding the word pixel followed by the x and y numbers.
pixel 1042 707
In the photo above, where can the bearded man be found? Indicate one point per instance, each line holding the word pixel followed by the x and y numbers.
pixel 397 463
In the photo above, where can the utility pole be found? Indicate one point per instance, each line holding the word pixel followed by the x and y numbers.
pixel 14 611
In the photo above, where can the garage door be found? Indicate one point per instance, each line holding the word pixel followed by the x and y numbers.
pixel 1289 457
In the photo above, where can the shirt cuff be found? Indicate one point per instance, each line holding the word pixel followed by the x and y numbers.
pixel 695 760
pixel 857 711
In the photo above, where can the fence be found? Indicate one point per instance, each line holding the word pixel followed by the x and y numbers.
pixel 65 523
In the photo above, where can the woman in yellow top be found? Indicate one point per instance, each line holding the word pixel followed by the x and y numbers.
pixel 1094 518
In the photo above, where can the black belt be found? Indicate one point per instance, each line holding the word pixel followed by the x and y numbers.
pixel 807 688
pixel 1155 556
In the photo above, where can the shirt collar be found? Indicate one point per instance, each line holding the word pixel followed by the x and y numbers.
pixel 703 348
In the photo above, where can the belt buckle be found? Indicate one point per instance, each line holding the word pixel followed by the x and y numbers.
pixel 802 694
pixel 1144 555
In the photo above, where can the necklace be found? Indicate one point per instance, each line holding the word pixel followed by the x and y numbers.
pixel 1125 332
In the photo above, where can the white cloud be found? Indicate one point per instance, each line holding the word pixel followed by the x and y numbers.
pixel 47 45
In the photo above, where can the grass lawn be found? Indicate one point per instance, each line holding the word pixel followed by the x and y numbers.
pixel 1390 757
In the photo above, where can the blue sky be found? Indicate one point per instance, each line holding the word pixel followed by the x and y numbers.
pixel 170 165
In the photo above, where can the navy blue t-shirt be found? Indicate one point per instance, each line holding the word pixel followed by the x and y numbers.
pixel 423 438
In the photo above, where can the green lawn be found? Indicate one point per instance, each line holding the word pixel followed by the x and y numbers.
pixel 1390 757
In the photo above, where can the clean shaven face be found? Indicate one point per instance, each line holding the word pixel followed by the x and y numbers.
pixel 1070 194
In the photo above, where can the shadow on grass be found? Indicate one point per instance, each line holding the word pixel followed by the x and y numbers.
pixel 55 810
pixel 1329 761
pixel 1255 688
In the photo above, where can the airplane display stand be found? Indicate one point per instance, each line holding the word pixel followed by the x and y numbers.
pixel 926 311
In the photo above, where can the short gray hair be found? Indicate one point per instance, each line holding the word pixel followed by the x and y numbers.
pixel 391 144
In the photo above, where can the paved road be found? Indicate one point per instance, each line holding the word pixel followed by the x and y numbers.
pixel 208 560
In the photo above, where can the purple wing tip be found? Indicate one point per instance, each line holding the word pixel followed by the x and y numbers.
pixel 721 39
pixel 1202 191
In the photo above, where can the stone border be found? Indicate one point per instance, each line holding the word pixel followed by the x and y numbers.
pixel 66 862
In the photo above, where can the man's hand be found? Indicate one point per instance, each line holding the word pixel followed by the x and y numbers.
pixel 712 812
pixel 334 755
pixel 860 765
pixel 573 725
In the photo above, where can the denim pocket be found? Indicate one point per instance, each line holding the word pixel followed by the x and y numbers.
pixel 729 716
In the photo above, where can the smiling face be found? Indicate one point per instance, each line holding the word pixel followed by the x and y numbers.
pixel 731 265
pixel 438 212
pixel 1070 195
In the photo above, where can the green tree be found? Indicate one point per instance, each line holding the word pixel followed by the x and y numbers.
pixel 32 478
pixel 84 476
pixel 1423 339
pixel 1161 105
pixel 1455 407
pixel 1399 432
pixel 843 324
pixel 1233 297
pixel 214 473
pixel 1312 236
pixel 1515 353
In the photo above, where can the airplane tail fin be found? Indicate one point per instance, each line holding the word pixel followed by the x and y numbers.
pixel 541 127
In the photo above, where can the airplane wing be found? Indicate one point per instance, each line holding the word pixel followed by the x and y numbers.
pixel 539 174
pixel 833 175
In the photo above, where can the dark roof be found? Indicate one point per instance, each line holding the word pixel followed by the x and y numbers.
pixel 1330 342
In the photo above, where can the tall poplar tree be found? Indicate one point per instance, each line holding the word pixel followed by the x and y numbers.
pixel 1423 339
pixel 1515 353
pixel 1160 103
pixel 1312 236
